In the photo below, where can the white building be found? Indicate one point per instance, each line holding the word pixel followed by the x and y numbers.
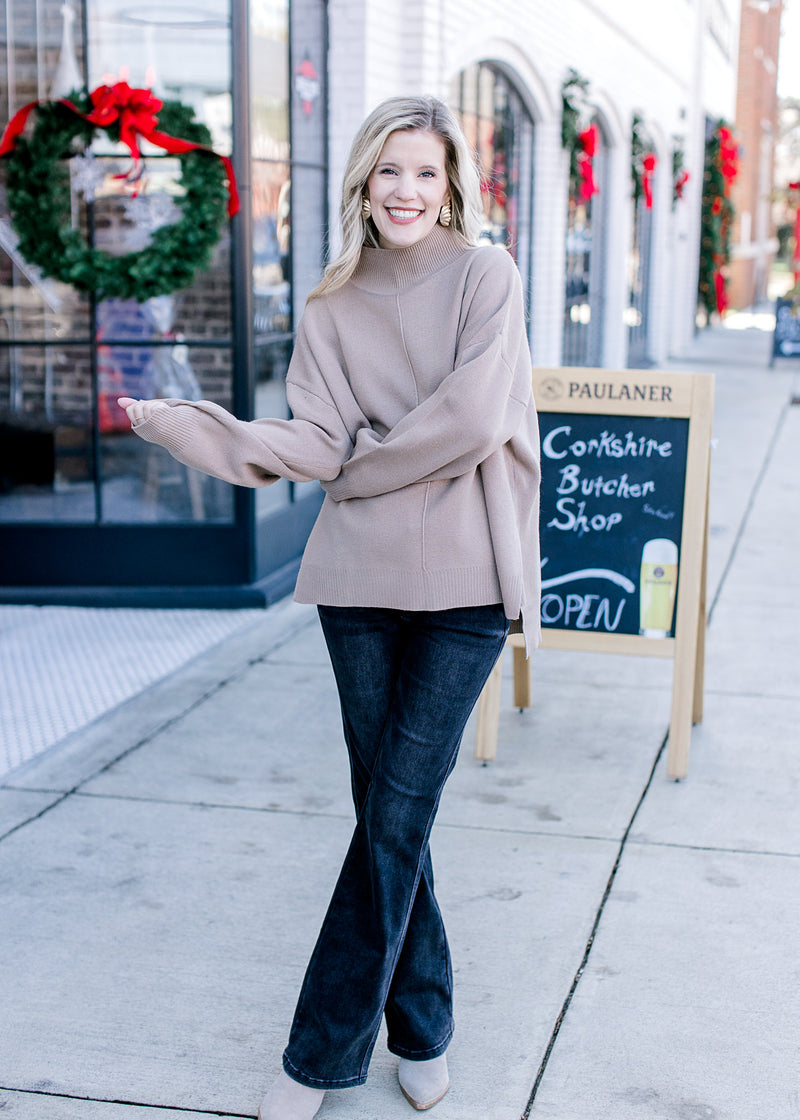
pixel 625 292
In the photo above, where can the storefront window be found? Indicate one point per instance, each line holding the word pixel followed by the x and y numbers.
pixel 47 451
pixel 76 486
pixel 500 129
pixel 65 358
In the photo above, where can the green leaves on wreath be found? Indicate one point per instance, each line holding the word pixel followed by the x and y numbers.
pixel 40 205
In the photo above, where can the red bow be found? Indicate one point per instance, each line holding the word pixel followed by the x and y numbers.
pixel 728 157
pixel 720 292
pixel 648 170
pixel 588 140
pixel 137 112
pixel 680 183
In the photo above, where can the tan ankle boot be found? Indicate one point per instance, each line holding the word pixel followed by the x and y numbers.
pixel 423 1084
pixel 287 1099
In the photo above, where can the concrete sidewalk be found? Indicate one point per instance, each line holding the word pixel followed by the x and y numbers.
pixel 624 946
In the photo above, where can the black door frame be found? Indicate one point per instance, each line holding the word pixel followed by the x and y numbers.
pixel 186 564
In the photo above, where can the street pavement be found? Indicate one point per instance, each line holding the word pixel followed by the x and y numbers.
pixel 624 946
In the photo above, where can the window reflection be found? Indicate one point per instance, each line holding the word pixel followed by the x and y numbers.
pixel 141 481
pixel 269 79
pixel 76 459
pixel 46 438
pixel 61 370
pixel 271 246
pixel 178 48
pixel 289 197
pixel 500 130
pixel 272 205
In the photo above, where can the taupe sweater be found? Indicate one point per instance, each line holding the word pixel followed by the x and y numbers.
pixel 410 390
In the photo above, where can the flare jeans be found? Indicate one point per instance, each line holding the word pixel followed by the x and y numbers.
pixel 407 683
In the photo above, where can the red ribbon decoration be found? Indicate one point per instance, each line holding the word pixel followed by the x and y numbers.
pixel 728 157
pixel 720 292
pixel 680 183
pixel 14 128
pixel 648 170
pixel 796 252
pixel 588 140
pixel 137 112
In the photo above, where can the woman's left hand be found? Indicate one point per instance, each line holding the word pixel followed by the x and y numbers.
pixel 138 411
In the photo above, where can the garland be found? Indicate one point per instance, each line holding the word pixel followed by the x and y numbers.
pixel 39 195
pixel 643 162
pixel 580 142
pixel 721 169
pixel 790 197
pixel 680 176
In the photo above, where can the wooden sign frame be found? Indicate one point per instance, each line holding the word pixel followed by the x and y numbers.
pixel 643 394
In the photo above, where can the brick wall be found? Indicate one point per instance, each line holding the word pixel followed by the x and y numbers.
pixel 753 244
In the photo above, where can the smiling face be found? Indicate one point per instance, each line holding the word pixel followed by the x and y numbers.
pixel 407 187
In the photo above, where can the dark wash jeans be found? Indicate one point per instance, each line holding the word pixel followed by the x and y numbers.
pixel 407 682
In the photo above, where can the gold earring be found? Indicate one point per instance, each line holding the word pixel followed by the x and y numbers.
pixel 366 209
pixel 446 214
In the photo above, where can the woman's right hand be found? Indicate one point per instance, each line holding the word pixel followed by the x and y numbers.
pixel 138 411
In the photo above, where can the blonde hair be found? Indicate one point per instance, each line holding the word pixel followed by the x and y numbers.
pixel 396 114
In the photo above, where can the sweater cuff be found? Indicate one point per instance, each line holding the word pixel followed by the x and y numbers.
pixel 338 489
pixel 175 435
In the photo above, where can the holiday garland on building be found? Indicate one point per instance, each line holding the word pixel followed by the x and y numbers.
pixel 790 197
pixel 721 169
pixel 643 162
pixel 578 138
pixel 40 196
pixel 680 176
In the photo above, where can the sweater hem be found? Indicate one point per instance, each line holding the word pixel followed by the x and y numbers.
pixel 398 588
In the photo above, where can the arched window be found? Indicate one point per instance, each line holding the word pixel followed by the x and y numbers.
pixel 585 266
pixel 500 129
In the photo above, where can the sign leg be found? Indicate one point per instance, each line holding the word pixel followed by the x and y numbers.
pixel 522 678
pixel 702 623
pixel 488 715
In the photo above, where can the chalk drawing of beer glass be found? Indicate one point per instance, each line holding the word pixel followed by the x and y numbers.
pixel 658 583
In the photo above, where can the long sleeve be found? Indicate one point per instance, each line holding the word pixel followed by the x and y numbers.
pixel 312 445
pixel 474 411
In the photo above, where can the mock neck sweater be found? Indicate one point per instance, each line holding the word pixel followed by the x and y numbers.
pixel 410 392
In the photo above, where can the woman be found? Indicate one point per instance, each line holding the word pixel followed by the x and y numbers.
pixel 410 389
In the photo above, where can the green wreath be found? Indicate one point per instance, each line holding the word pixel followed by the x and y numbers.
pixel 39 204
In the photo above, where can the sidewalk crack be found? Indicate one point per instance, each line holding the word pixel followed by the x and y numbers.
pixel 748 509
pixel 595 926
pixel 131 1104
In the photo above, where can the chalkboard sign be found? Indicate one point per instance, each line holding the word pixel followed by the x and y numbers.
pixel 786 339
pixel 624 529
pixel 612 517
